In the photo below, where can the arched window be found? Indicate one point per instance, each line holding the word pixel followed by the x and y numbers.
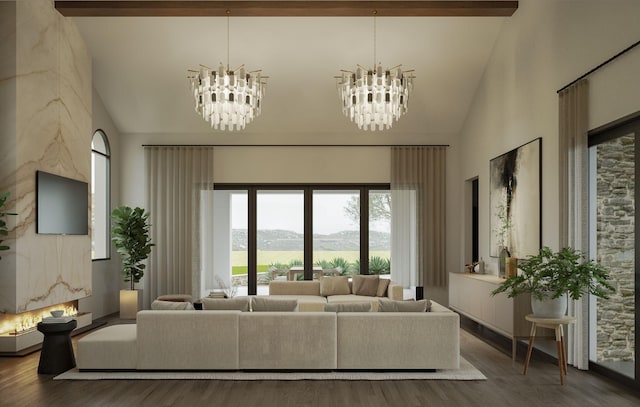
pixel 100 197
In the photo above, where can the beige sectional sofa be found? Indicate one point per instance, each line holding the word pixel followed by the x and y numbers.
pixel 234 340
pixel 310 296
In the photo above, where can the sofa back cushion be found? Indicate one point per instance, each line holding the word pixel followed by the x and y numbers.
pixel 383 285
pixel 334 286
pixel 294 288
pixel 226 304
pixel 348 307
pixel 385 305
pixel 170 305
pixel 266 304
pixel 365 285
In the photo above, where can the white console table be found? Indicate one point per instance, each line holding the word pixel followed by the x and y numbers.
pixel 470 295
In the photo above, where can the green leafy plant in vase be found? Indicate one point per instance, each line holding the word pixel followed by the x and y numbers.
pixel 132 241
pixel 553 275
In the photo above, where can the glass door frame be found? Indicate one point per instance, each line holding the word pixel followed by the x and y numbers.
pixel 252 191
pixel 624 126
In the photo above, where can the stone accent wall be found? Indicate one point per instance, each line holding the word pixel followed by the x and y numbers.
pixel 616 242
pixel 46 100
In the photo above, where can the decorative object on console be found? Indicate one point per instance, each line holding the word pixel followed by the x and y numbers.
pixel 551 275
pixel 227 98
pixel 375 97
pixel 227 291
pixel 515 185
pixel 132 241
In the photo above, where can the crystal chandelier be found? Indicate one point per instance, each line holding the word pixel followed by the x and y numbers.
pixel 227 98
pixel 375 97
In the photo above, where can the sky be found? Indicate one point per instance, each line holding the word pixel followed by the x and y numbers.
pixel 285 211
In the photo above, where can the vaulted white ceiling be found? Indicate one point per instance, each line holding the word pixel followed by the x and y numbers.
pixel 140 71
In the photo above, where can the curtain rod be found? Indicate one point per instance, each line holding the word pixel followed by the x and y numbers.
pixel 296 145
pixel 624 51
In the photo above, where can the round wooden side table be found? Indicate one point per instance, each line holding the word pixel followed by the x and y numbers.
pixel 555 324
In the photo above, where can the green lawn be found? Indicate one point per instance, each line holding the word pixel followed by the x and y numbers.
pixel 239 258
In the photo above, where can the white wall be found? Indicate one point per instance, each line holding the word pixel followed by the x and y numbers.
pixel 290 164
pixel 545 45
pixel 107 279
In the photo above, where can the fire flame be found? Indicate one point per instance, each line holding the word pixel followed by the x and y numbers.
pixel 16 324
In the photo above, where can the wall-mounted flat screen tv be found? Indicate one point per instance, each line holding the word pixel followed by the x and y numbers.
pixel 62 205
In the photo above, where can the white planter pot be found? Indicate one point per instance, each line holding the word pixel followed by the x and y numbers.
pixel 130 303
pixel 549 308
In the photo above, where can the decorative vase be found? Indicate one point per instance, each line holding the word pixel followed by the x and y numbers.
pixel 548 307
pixel 502 261
pixel 511 266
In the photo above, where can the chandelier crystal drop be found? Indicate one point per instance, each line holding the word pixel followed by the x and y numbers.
pixel 375 98
pixel 228 99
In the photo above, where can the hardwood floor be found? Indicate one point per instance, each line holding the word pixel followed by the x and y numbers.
pixel 20 385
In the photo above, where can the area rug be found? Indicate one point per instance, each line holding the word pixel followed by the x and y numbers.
pixel 466 372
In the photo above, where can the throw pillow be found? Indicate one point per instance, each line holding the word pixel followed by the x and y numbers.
pixel 226 304
pixel 365 285
pixel 334 286
pixel 348 307
pixel 383 286
pixel 265 304
pixel 385 305
pixel 170 305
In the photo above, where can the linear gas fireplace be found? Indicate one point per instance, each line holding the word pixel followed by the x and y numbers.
pixel 18 331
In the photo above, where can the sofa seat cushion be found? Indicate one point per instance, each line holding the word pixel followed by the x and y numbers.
pixel 221 304
pixel 306 303
pixel 387 305
pixel 171 305
pixel 175 298
pixel 273 304
pixel 109 348
pixel 349 298
pixel 348 307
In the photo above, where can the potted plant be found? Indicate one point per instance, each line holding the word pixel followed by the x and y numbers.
pixel 132 241
pixel 551 276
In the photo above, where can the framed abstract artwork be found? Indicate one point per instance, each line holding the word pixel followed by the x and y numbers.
pixel 515 198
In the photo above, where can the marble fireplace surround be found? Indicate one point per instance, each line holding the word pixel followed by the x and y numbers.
pixel 45 124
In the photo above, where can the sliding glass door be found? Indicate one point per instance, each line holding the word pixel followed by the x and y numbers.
pixel 294 232
pixel 613 190
pixel 280 236
pixel 336 231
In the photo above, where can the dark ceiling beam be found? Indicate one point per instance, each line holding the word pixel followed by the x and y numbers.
pixel 270 8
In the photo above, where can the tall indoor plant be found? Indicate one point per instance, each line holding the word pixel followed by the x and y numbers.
pixel 131 238
pixel 555 275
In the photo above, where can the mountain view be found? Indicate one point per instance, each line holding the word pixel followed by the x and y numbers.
pixel 286 240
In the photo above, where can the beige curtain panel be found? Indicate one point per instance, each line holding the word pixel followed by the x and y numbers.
pixel 418 212
pixel 574 198
pixel 176 177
